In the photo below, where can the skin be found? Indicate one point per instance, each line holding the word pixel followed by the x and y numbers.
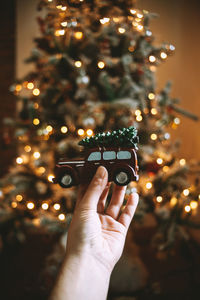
pixel 95 241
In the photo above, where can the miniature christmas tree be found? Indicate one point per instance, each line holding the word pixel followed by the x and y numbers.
pixel 95 64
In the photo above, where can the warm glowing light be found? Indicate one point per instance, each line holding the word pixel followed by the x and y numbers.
pixel 173 201
pixel 163 55
pixel 61 217
pixel 30 85
pixel 41 170
pixel 45 206
pixel 131 48
pixel 27 148
pixel 14 204
pixel 18 88
pixel 63 24
pixel 165 169
pixel 104 20
pixel 186 192
pixel 152 68
pixel 133 11
pixel 101 64
pixel 182 162
pixel 138 112
pixel 139 118
pixel 187 208
pixel 81 132
pixel 177 121
pixel 58 6
pixel 151 96
pixel 59 32
pixel 140 16
pixel 30 205
pixel 36 105
pixel 167 136
pixel 152 58
pixel 171 47
pixel 36 121
pixel 19 160
pixel 193 204
pixel 89 132
pixel 49 128
pixel 51 177
pixel 36 92
pixel 19 198
pixel 121 30
pixel 154 136
pixel 159 199
pixel 140 27
pixel 36 154
pixel 78 35
pixel 56 206
pixel 78 63
pixel 64 129
pixel 159 161
pixel 63 8
pixel 148 185
pixel 115 19
pixel 154 111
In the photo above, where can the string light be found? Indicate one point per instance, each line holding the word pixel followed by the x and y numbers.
pixel 173 201
pixel 58 6
pixel 182 162
pixel 163 55
pixel 51 177
pixel 140 16
pixel 186 192
pixel 59 32
pixel 36 154
pixel 30 205
pixel 64 129
pixel 30 85
pixel 64 8
pixel 36 92
pixel 19 160
pixel 138 112
pixel 101 64
pixel 56 206
pixel 89 132
pixel 63 24
pixel 104 20
pixel 41 170
pixel 18 88
pixel 154 136
pixel 36 105
pixel 159 199
pixel 148 185
pixel 159 161
pixel 78 63
pixel 36 121
pixel 177 121
pixel 49 128
pixel 116 20
pixel 133 11
pixel 151 96
pixel 81 132
pixel 19 197
pixel 187 208
pixel 27 148
pixel 139 118
pixel 152 58
pixel 131 48
pixel 193 204
pixel 14 204
pixel 140 27
pixel 121 30
pixel 78 35
pixel 61 217
pixel 165 169
pixel 154 111
pixel 45 206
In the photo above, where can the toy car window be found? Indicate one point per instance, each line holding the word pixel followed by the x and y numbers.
pixel 107 155
pixel 123 155
pixel 94 156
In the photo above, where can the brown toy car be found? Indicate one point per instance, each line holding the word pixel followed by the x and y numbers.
pixel 121 164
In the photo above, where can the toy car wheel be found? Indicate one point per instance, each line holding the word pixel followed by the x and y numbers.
pixel 122 177
pixel 66 180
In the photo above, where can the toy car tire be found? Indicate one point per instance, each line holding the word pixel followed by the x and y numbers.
pixel 122 177
pixel 66 180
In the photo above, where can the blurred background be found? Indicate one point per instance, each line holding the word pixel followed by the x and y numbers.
pixel 178 24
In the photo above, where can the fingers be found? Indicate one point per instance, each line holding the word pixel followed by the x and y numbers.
pixel 116 201
pixel 102 200
pixel 81 191
pixel 129 210
pixel 95 189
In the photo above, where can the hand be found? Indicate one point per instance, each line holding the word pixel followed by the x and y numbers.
pixel 95 232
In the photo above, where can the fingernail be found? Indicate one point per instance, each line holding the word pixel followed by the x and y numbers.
pixel 101 172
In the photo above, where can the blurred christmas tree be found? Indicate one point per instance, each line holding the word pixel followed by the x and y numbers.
pixel 95 65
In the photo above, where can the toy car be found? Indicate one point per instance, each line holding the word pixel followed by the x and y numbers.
pixel 121 164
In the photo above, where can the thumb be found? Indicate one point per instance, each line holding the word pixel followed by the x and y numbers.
pixel 95 189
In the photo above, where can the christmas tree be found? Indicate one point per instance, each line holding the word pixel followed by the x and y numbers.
pixel 94 71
